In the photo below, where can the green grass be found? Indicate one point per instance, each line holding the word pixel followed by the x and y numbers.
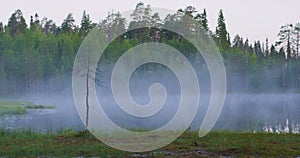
pixel 64 143
pixel 241 144
pixel 69 143
pixel 10 108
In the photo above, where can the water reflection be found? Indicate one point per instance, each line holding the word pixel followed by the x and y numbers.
pixel 287 128
pixel 241 112
pixel 44 120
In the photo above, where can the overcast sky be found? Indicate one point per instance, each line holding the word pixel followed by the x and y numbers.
pixel 255 19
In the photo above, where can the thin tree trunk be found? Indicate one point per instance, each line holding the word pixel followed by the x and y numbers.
pixel 247 71
pixel 283 76
pixel 30 85
pixel 87 99
pixel 287 77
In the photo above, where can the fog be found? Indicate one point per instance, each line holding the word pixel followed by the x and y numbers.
pixel 242 111
pixel 45 120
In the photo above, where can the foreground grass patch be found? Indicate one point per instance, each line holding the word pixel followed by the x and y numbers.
pixel 70 143
pixel 241 144
pixel 66 143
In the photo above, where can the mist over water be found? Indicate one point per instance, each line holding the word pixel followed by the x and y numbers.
pixel 248 112
pixel 45 120
pixel 242 112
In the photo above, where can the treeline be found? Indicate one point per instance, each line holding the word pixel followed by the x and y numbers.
pixel 38 56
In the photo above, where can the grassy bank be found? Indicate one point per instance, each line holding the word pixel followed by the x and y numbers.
pixel 10 108
pixel 70 143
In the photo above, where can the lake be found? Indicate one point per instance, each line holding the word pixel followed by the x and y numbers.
pixel 241 112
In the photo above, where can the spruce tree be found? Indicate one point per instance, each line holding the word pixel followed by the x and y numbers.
pixel 221 32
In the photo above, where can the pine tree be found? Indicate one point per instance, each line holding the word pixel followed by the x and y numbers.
pixel 186 17
pixel 282 57
pixel 16 23
pixel 137 22
pixel 138 12
pixel 285 36
pixel 113 24
pixel 34 24
pixel 204 21
pixel 147 16
pixel 296 38
pixel 267 52
pixel 48 26
pixel 170 21
pixel 258 48
pixel 238 42
pixel 68 24
pixel 285 40
pixel 3 80
pixel 86 24
pixel 1 27
pixel 156 24
pixel 156 21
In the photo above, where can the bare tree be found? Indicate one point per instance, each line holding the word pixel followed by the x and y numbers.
pixel 86 67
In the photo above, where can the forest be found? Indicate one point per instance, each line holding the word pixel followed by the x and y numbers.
pixel 37 57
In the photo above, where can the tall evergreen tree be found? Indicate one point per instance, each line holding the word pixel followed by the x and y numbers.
pixel 221 31
pixel 284 66
pixel 34 23
pixel 296 38
pixel 137 21
pixel 119 25
pixel 267 51
pixel 86 24
pixel 156 21
pixel 1 27
pixel 285 36
pixel 202 18
pixel 258 48
pixel 138 12
pixel 147 16
pixel 238 42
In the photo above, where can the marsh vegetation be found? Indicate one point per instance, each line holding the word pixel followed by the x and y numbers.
pixel 75 143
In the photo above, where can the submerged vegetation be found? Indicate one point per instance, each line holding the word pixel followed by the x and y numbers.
pixel 217 143
pixel 6 109
pixel 40 107
pixel 10 108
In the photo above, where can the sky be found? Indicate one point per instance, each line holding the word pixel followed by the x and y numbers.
pixel 252 19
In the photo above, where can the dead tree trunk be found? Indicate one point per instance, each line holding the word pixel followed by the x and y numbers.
pixel 87 99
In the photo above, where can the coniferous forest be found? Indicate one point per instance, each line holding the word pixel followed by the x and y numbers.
pixel 38 56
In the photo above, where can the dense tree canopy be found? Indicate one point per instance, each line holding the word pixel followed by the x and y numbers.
pixel 39 57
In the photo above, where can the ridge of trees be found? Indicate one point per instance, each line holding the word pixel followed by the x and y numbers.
pixel 39 57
